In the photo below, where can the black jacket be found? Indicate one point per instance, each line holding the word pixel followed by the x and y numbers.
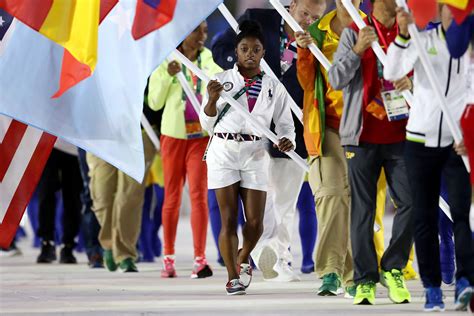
pixel 223 52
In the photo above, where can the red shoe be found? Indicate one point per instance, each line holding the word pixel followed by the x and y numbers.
pixel 201 269
pixel 169 270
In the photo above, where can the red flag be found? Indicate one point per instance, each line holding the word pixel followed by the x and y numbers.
pixel 72 71
pixel 24 151
pixel 461 14
pixel 423 11
pixel 151 15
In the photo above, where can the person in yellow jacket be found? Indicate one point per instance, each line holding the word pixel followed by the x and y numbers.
pixel 328 177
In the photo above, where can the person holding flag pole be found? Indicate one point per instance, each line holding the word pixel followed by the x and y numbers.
pixel 372 132
pixel 429 150
pixel 237 158
pixel 272 254
pixel 179 90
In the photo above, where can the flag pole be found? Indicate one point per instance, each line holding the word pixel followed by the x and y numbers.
pixel 187 90
pixel 150 132
pixel 266 68
pixel 435 85
pixel 240 109
pixel 297 28
pixel 375 45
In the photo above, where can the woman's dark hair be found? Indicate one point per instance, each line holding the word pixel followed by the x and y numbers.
pixel 250 28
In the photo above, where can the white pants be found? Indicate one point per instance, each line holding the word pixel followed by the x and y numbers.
pixel 285 181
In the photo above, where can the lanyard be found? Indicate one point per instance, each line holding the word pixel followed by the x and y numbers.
pixel 285 40
pixel 197 82
pixel 374 22
pixel 238 95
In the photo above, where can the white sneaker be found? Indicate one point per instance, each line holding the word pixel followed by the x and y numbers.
pixel 267 260
pixel 245 274
pixel 285 273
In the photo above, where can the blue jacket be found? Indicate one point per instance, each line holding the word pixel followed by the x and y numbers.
pixel 459 36
pixel 223 52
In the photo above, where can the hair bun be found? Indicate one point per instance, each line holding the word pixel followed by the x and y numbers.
pixel 249 26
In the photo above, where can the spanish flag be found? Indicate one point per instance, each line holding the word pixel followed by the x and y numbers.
pixel 73 24
pixel 459 8
pixel 426 10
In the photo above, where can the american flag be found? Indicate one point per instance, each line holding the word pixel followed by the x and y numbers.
pixel 24 151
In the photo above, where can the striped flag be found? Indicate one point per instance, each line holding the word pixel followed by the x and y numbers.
pixel 24 151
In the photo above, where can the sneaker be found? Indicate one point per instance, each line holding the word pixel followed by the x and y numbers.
pixel 307 269
pixel 434 300
pixel 409 273
pixel 66 255
pixel 395 283
pixel 169 270
pixel 48 252
pixel 267 260
pixel 127 265
pixel 463 294
pixel 11 251
pixel 245 274
pixel 284 271
pixel 96 261
pixel 365 294
pixel 109 260
pixel 235 287
pixel 200 269
pixel 350 291
pixel 330 286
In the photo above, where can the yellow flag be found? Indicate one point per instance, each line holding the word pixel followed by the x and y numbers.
pixel 458 4
pixel 74 24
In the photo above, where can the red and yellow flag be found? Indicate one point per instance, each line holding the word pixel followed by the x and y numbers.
pixel 73 24
pixel 426 10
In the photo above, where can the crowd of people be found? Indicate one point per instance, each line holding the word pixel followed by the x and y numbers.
pixel 367 150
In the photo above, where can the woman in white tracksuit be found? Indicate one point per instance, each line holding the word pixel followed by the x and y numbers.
pixel 237 158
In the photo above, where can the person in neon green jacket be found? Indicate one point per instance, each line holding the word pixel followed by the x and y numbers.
pixel 183 143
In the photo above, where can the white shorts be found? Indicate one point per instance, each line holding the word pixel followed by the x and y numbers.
pixel 229 162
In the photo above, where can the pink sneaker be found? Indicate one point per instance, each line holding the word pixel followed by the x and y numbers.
pixel 201 269
pixel 168 268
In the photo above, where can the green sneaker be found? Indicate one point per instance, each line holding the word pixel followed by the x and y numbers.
pixel 331 285
pixel 109 260
pixel 395 283
pixel 127 265
pixel 365 294
pixel 350 291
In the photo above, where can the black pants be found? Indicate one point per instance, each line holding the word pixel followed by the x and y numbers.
pixel 425 167
pixel 90 225
pixel 365 164
pixel 60 173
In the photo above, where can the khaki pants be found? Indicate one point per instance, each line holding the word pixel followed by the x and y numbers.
pixel 117 204
pixel 329 182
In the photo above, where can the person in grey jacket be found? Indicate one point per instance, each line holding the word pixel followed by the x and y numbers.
pixel 372 141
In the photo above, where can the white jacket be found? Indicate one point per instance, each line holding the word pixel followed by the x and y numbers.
pixel 426 123
pixel 272 104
